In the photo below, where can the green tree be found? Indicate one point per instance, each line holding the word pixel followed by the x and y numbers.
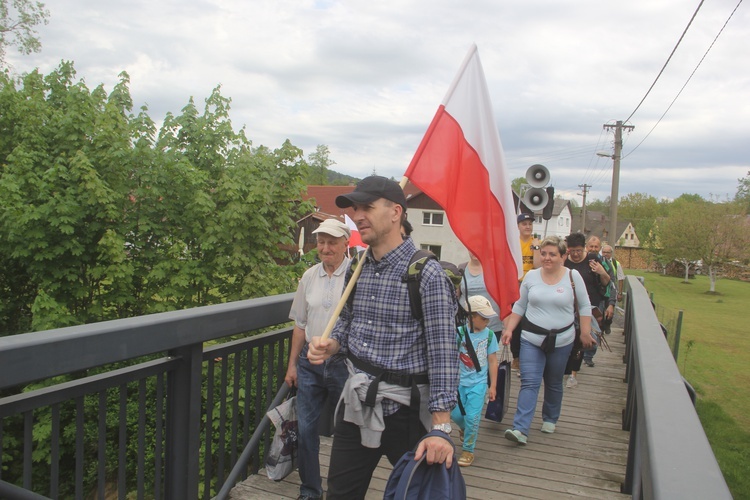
pixel 598 206
pixel 57 207
pixel 713 233
pixel 686 198
pixel 516 184
pixel 680 235
pixel 641 210
pixel 318 162
pixel 18 18
pixel 743 192
pixel 103 218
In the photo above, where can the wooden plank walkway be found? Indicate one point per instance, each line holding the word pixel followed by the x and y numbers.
pixel 585 457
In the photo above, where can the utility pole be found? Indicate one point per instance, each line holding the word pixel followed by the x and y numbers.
pixel 614 197
pixel 585 188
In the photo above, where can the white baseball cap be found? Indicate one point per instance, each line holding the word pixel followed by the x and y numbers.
pixel 481 306
pixel 335 228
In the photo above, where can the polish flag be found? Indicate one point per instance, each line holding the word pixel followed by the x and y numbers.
pixel 460 164
pixel 356 240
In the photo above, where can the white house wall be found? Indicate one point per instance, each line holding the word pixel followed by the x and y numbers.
pixel 557 226
pixel 452 250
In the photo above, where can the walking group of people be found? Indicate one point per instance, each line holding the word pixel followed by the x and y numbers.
pixel 397 373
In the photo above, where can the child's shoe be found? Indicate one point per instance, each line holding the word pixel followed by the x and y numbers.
pixel 466 459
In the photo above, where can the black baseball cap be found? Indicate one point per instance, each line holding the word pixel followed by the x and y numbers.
pixel 370 189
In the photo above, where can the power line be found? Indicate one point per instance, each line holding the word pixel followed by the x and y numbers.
pixel 665 64
pixel 561 154
pixel 686 82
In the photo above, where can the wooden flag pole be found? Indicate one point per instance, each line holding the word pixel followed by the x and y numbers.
pixel 350 286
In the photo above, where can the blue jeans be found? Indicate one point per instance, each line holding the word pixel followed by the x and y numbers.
pixel 472 398
pixel 537 365
pixel 315 383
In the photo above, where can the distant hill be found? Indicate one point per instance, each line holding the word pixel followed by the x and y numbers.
pixel 337 179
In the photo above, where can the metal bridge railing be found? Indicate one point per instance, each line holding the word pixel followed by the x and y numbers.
pixel 669 455
pixel 152 406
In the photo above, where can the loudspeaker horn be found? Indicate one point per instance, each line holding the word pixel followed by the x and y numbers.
pixel 537 176
pixel 535 198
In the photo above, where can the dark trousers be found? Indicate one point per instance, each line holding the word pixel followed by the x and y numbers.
pixel 352 464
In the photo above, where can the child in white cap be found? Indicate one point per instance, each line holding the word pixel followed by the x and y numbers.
pixel 472 386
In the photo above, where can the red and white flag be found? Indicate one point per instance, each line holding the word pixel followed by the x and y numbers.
pixel 461 166
pixel 355 241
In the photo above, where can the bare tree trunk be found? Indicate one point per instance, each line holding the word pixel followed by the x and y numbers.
pixel 712 278
pixel 686 263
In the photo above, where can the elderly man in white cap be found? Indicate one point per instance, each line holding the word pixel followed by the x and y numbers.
pixel 318 293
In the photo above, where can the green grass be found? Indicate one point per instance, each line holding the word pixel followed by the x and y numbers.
pixel 731 445
pixel 717 364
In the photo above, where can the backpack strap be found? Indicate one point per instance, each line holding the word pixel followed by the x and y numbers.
pixel 470 346
pixel 413 277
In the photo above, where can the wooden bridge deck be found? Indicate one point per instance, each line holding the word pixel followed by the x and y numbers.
pixel 585 457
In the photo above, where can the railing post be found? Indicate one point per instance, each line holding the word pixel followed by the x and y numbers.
pixel 183 424
pixel 677 331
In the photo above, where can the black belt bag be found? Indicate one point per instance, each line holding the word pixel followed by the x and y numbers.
pixel 548 344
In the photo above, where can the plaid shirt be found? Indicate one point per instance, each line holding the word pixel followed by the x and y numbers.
pixel 382 331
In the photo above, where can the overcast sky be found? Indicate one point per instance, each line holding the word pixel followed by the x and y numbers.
pixel 366 77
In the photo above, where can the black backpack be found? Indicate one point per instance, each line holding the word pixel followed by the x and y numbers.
pixel 415 480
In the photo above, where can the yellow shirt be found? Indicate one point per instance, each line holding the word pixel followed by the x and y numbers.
pixel 528 257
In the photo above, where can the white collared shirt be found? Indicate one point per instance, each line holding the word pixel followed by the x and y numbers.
pixel 316 298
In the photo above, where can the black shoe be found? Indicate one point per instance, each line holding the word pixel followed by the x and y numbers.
pixel 589 362
pixel 607 331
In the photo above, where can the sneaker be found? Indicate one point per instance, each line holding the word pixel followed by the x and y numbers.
pixel 572 382
pixel 515 436
pixel 548 427
pixel 466 459
pixel 589 362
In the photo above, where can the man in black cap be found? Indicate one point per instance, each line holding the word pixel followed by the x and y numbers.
pixel 529 244
pixel 403 373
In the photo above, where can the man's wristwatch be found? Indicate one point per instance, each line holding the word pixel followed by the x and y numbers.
pixel 535 247
pixel 442 428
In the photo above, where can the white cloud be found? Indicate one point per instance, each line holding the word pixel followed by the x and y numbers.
pixel 365 78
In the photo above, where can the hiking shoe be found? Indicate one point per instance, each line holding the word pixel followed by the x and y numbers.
pixel 572 382
pixel 589 362
pixel 466 459
pixel 515 436
pixel 548 427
